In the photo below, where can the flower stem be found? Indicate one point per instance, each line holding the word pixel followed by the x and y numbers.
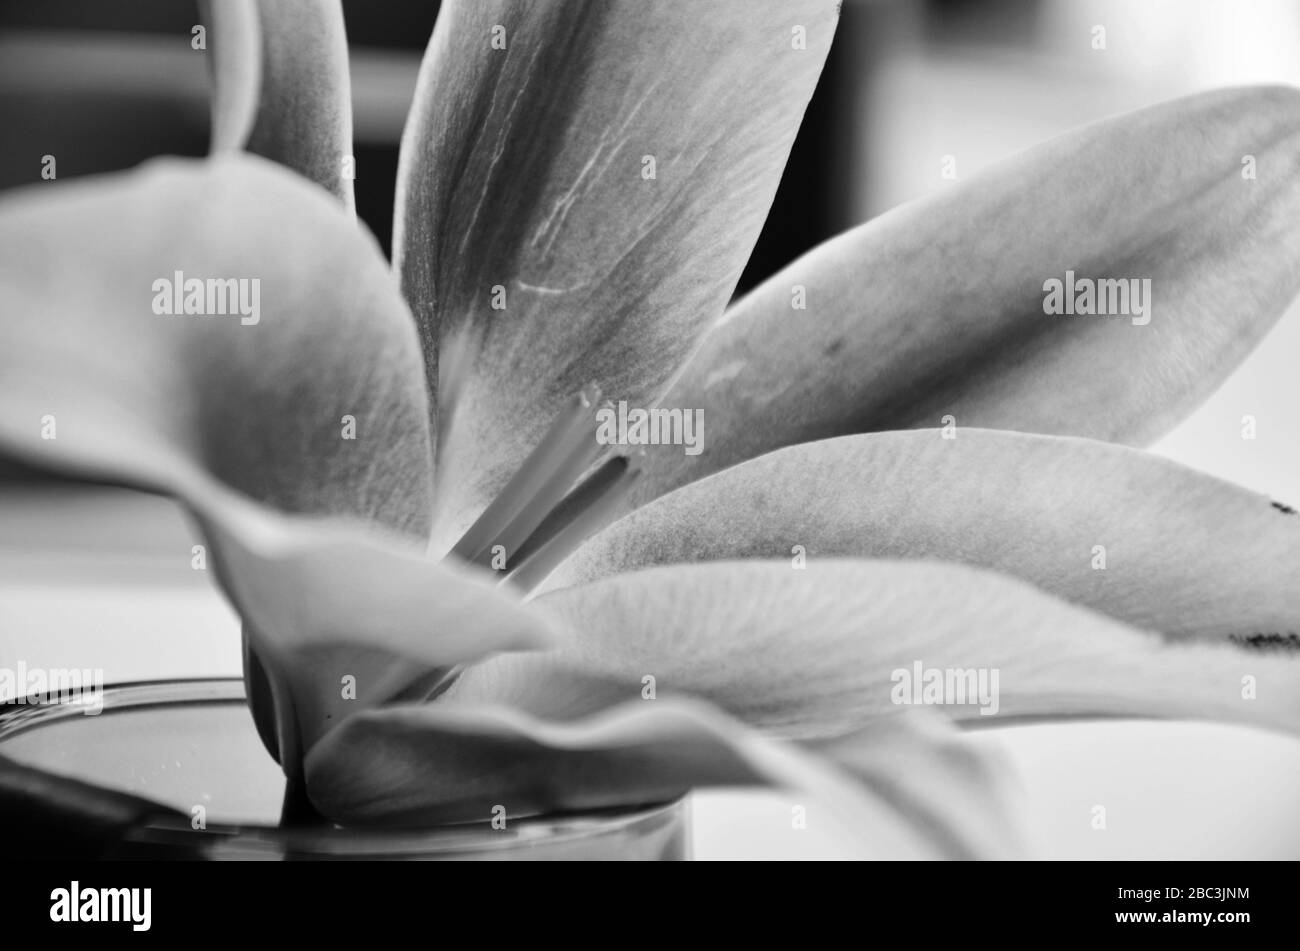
pixel 297 811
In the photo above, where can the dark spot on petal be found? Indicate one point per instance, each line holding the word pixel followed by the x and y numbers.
pixel 1284 509
pixel 834 347
pixel 1268 640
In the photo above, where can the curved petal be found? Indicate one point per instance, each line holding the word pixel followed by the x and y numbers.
pixel 300 333
pixel 579 188
pixel 967 798
pixel 310 399
pixel 817 652
pixel 441 762
pixel 937 308
pixel 1133 535
pixel 236 67
pixel 281 86
pixel 343 618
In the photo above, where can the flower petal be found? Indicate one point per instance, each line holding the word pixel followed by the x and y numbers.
pixel 967 798
pixel 937 308
pixel 525 185
pixel 314 344
pixel 416 765
pixel 236 65
pixel 1133 535
pixel 912 759
pixel 343 619
pixel 817 652
pixel 315 408
pixel 281 86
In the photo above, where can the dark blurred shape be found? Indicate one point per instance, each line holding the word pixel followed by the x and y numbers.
pixel 103 85
pixel 804 212
pixel 991 22
pixel 392 24
pixel 173 17
pixel 403 26
pixel 97 102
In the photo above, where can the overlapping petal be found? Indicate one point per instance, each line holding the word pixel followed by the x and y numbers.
pixel 414 766
pixel 281 86
pixel 235 65
pixel 314 336
pixel 340 618
pixel 937 308
pixel 1143 539
pixel 294 427
pixel 816 652
pixel 580 186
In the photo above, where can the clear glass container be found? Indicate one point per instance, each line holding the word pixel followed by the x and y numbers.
pixel 191 745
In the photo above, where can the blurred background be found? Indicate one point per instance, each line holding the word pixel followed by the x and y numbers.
pixel 911 85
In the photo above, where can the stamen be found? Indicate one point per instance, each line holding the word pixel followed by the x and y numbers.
pixel 585 511
pixel 583 496
pixel 544 503
pixel 568 448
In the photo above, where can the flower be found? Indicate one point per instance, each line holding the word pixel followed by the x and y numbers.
pixel 580 185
